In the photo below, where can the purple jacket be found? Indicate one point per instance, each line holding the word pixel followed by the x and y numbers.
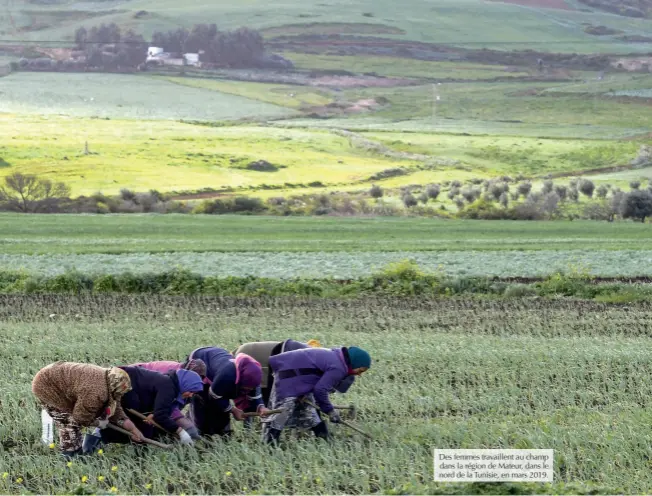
pixel 311 370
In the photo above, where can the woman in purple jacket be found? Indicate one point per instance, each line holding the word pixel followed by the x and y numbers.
pixel 163 367
pixel 312 373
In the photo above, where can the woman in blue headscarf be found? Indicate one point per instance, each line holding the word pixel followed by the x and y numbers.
pixel 157 396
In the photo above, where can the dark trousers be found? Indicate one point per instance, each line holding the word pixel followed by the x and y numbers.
pixel 208 416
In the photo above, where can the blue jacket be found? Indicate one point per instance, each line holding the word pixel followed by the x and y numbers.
pixel 220 370
pixel 311 370
pixel 152 392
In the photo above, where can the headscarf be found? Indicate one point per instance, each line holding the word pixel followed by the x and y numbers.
pixel 189 382
pixel 248 372
pixel 119 384
pixel 359 357
pixel 196 365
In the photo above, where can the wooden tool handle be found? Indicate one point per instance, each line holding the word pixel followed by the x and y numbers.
pixel 256 414
pixel 145 440
pixel 144 417
pixel 350 426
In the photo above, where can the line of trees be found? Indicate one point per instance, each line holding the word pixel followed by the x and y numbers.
pixel 243 47
pixel 106 46
pixel 28 193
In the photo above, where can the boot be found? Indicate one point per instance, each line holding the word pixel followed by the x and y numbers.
pixel 69 455
pixel 91 442
pixel 321 431
pixel 271 436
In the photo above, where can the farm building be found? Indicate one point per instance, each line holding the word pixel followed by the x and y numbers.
pixel 157 56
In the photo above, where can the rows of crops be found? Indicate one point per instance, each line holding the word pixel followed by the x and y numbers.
pixel 571 376
pixel 341 265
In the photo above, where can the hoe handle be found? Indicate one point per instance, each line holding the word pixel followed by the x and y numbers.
pixel 145 440
pixel 350 426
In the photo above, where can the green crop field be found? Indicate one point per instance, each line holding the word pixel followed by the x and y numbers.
pixel 341 264
pixel 568 376
pixel 150 233
pixel 104 96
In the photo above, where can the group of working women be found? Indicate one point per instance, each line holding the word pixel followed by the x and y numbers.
pixel 149 399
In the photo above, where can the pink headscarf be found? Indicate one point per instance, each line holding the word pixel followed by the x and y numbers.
pixel 248 372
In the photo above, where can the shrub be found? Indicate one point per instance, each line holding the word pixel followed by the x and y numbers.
pixel 504 200
pixel 574 195
pixel 127 195
pixel 519 291
pixel 433 191
pixel 482 209
pixel 262 166
pixel 424 198
pixel 602 191
pixel 635 184
pixel 470 194
pixel 70 282
pixel 586 187
pixel 183 282
pixel 637 205
pixel 387 173
pixel 105 284
pixel 548 186
pixel 456 184
pixel 562 192
pixel 572 283
pixel 376 192
pixel 453 193
pixel 247 204
pixel 524 188
pixel 409 200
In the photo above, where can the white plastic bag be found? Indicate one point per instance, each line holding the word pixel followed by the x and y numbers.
pixel 47 425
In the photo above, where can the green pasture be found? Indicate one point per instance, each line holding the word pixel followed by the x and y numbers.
pixel 134 233
pixel 173 156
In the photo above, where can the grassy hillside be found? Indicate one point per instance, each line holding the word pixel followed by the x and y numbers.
pixel 471 22
pixel 173 156
pixel 441 121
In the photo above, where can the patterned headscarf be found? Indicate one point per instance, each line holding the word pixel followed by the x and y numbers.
pixel 119 384
pixel 196 365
